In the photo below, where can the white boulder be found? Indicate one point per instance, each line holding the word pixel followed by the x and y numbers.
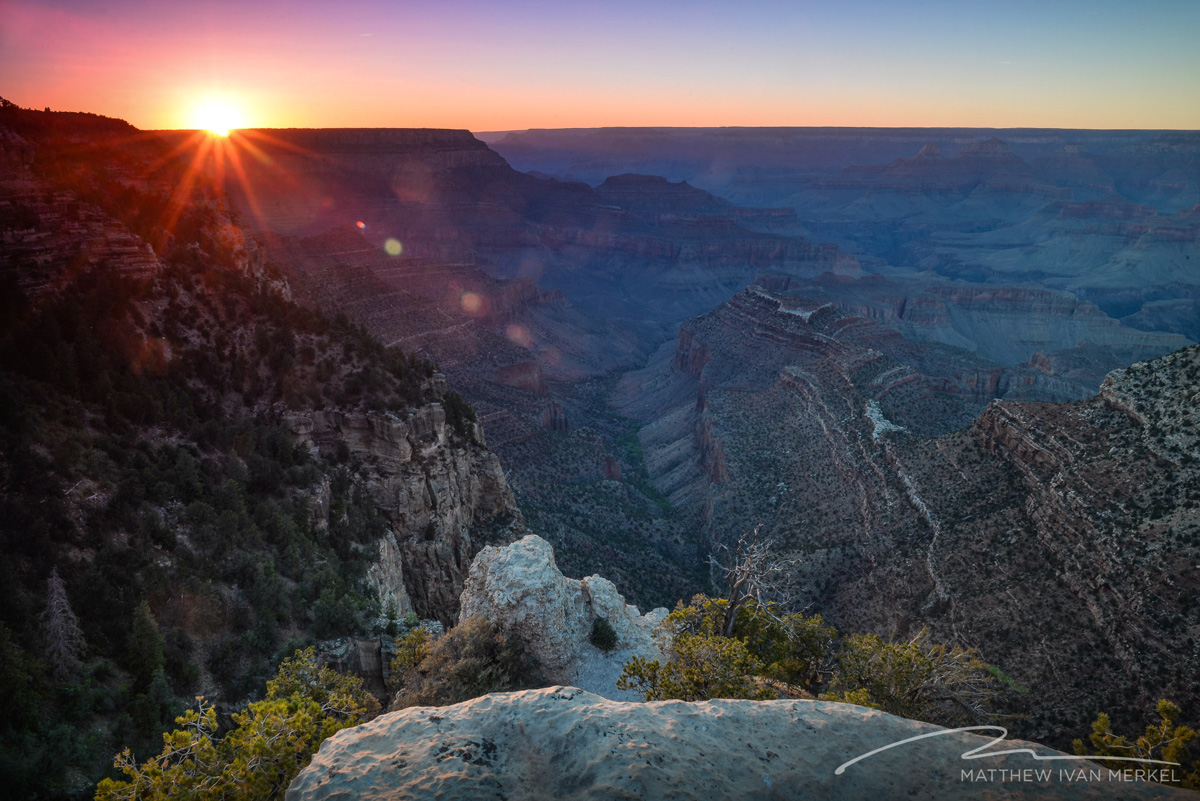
pixel 521 589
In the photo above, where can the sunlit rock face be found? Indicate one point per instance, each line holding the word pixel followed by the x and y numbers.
pixel 520 588
pixel 563 743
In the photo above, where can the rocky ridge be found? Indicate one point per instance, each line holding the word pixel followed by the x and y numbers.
pixel 1010 325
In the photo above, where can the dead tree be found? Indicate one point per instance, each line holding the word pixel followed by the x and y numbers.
pixel 752 571
pixel 60 629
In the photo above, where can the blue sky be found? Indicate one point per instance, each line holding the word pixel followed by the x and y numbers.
pixel 500 65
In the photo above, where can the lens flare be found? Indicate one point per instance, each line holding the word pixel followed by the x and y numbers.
pixel 473 304
pixel 519 335
pixel 393 247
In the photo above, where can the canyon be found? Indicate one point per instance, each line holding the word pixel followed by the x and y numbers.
pixel 957 388
pixel 659 367
pixel 1106 215
pixel 1045 534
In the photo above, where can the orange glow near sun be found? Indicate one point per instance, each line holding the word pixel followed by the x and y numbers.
pixel 218 116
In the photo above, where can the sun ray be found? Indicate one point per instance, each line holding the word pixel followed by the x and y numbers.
pixel 243 162
pixel 181 197
pixel 239 172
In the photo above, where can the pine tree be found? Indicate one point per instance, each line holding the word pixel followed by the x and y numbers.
pixel 60 630
pixel 145 647
pixel 273 740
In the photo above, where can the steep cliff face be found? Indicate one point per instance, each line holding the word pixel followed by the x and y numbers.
pixel 433 493
pixel 555 419
pixel 562 742
pixel 50 234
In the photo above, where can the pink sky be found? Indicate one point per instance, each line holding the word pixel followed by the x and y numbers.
pixel 511 65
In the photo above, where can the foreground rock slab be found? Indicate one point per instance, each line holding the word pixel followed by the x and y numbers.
pixel 563 743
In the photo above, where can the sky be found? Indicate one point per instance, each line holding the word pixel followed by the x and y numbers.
pixel 500 65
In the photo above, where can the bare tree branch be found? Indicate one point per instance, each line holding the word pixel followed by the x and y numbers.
pixel 751 570
pixel 60 628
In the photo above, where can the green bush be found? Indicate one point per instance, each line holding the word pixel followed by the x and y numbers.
pixel 473 659
pixel 411 650
pixel 272 742
pixel 701 667
pixel 786 649
pixel 918 679
pixel 1167 740
pixel 603 636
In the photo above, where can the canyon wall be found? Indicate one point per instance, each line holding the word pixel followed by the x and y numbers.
pixel 433 493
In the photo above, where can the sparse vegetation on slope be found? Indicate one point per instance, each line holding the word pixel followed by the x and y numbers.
pixel 164 531
pixel 272 740
pixel 472 659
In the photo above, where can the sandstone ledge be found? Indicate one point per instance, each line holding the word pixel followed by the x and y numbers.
pixel 563 743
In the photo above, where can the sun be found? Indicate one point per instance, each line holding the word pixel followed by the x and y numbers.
pixel 217 116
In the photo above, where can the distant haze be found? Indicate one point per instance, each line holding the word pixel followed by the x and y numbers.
pixel 545 63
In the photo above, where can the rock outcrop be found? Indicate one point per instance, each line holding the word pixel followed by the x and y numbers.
pixel 358 657
pixel 520 588
pixel 655 194
pixel 433 492
pixel 386 577
pixel 564 743
pixel 523 375
pixel 555 418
